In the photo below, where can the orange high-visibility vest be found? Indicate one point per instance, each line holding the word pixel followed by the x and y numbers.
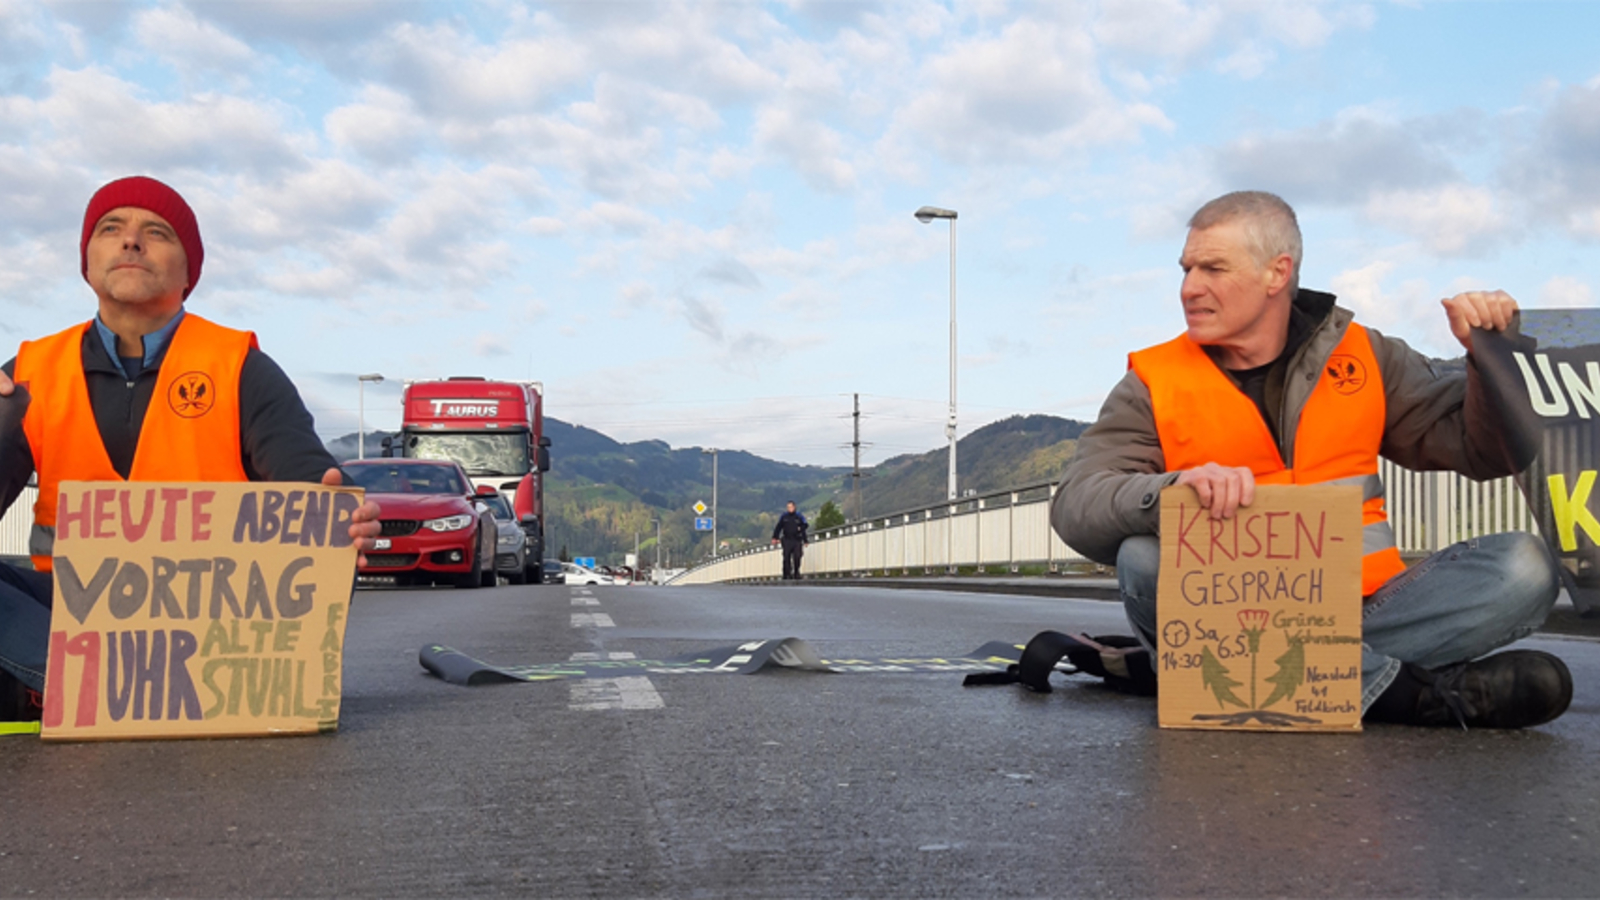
pixel 190 431
pixel 1202 417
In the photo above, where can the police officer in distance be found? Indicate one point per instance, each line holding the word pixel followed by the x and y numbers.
pixel 791 533
pixel 145 391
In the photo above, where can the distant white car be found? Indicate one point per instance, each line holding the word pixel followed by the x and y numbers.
pixel 577 574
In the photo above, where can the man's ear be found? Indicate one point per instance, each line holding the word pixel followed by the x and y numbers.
pixel 1278 273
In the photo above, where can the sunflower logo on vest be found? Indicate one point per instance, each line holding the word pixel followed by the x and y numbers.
pixel 1347 374
pixel 192 395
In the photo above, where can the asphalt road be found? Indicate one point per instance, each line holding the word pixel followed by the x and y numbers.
pixel 790 784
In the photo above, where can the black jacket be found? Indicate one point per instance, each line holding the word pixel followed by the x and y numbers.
pixel 791 527
pixel 278 440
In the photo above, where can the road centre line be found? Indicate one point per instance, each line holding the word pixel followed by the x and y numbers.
pixel 592 620
pixel 585 601
pixel 633 692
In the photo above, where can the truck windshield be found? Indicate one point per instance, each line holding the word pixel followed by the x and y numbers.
pixel 480 453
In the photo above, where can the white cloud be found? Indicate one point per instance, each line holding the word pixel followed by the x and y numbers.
pixel 93 116
pixel 1241 36
pixel 1249 61
pixel 489 344
pixel 1157 28
pixel 1409 311
pixel 382 125
pixel 1566 292
pixel 1030 94
pixel 686 46
pixel 616 217
pixel 321 26
pixel 1341 161
pixel 545 226
pixel 450 74
pixel 1557 174
pixel 1451 220
pixel 810 146
pixel 174 34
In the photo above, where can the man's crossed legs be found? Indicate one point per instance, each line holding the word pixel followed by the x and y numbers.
pixel 1424 633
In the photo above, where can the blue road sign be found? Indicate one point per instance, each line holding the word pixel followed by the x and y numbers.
pixel 586 561
pixel 702 523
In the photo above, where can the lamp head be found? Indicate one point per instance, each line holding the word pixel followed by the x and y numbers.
pixel 929 213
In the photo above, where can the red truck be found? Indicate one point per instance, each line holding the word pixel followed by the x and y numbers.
pixel 495 430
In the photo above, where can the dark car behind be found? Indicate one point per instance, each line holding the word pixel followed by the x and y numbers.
pixel 553 573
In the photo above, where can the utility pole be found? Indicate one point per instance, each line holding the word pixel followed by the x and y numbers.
pixel 713 451
pixel 855 475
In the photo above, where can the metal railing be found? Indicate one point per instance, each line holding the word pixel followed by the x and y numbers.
pixel 1009 531
pixel 17 523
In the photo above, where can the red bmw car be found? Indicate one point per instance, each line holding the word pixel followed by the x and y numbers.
pixel 433 530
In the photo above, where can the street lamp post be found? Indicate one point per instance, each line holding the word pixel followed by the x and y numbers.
pixel 713 451
pixel 361 412
pixel 925 215
pixel 656 573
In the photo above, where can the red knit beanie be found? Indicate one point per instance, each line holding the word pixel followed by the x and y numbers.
pixel 146 193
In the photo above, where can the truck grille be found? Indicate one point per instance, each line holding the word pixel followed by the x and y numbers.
pixel 399 527
pixel 391 560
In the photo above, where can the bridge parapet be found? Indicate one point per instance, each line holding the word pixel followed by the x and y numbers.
pixel 1009 532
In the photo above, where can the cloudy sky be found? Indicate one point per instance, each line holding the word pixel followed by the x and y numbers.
pixel 692 221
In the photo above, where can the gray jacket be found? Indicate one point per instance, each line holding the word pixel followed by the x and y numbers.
pixel 1436 419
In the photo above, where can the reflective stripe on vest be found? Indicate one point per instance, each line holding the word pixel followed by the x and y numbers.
pixel 190 431
pixel 1202 417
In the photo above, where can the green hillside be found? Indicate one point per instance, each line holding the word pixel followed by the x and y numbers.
pixel 1004 454
pixel 601 493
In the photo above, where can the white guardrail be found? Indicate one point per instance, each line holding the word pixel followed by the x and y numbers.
pixel 1009 531
pixel 17 522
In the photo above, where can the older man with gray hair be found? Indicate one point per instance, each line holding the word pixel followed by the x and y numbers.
pixel 1274 383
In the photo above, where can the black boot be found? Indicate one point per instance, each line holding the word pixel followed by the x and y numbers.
pixel 1515 689
pixel 18 702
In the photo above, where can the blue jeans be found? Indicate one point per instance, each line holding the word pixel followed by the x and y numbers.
pixel 25 623
pixel 1456 605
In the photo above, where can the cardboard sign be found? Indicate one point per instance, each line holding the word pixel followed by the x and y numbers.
pixel 1259 616
pixel 198 610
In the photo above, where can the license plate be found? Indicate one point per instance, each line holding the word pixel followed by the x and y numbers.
pixel 380 544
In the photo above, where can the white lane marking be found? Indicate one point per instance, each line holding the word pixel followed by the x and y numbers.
pixel 592 620
pixel 633 692
pixel 585 601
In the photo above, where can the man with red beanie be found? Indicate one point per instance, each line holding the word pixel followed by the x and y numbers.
pixel 145 391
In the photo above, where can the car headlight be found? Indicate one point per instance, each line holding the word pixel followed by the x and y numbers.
pixel 449 523
pixel 510 540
